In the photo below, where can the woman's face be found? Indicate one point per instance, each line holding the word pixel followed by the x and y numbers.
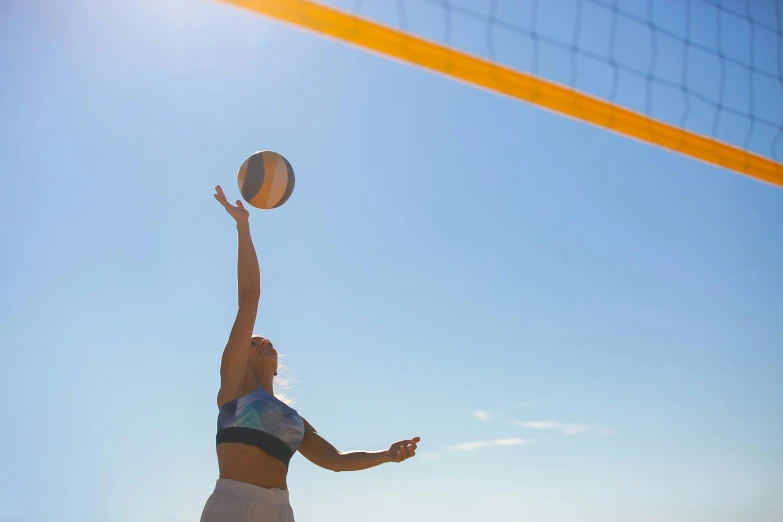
pixel 262 354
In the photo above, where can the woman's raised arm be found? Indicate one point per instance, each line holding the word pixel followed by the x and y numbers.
pixel 233 366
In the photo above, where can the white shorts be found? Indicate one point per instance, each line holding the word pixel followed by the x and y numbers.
pixel 234 501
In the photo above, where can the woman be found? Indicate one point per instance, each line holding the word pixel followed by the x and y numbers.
pixel 258 433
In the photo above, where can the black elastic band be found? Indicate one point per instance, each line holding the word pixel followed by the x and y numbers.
pixel 269 443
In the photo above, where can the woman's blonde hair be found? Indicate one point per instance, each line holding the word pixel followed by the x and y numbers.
pixel 282 385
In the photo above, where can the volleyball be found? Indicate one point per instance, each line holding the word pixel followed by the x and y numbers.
pixel 266 180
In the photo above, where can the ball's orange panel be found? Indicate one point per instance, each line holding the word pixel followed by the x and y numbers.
pixel 280 181
pixel 289 189
pixel 275 181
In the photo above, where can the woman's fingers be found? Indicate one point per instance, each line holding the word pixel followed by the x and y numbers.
pixel 405 449
pixel 220 196
pixel 411 445
pixel 237 211
pixel 411 450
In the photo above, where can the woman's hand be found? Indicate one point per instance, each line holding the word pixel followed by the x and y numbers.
pixel 403 449
pixel 238 212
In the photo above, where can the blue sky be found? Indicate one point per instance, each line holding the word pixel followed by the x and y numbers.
pixel 578 325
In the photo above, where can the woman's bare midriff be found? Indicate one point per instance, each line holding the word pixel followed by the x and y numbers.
pixel 246 463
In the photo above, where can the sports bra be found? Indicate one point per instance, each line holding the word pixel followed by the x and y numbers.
pixel 262 420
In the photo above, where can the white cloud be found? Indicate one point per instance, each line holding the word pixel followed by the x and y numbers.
pixel 470 446
pixel 566 428
pixel 482 415
pixel 480 444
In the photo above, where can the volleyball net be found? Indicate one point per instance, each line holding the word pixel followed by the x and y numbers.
pixel 703 78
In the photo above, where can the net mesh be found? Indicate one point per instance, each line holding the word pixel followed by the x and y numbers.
pixel 709 68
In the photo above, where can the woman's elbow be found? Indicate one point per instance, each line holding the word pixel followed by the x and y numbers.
pixel 336 463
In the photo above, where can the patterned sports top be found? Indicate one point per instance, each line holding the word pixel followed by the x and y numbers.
pixel 262 420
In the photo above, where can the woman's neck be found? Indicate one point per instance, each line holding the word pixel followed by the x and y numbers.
pixel 265 378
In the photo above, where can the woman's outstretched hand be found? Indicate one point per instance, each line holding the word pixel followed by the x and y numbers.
pixel 238 212
pixel 403 449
